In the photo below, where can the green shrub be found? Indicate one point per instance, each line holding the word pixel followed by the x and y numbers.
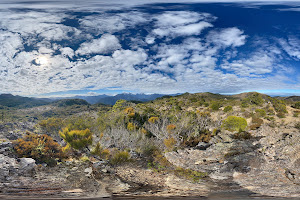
pixel 234 123
pixel 296 105
pixel 120 157
pixel 77 139
pixel 42 148
pixel 228 108
pixel 255 99
pixel 278 105
pixel 100 151
pixel 244 104
pixel 215 105
pixel 260 112
pixel 189 174
pixel 51 125
pixel 281 115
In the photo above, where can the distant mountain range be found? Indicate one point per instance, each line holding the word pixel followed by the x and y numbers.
pixel 111 100
pixel 9 100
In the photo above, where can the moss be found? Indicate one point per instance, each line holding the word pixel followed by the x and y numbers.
pixel 189 174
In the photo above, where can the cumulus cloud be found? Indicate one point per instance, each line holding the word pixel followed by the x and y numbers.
pixel 182 23
pixel 228 37
pixel 133 50
pixel 104 45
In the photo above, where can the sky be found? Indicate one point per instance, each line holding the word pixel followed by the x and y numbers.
pixel 65 48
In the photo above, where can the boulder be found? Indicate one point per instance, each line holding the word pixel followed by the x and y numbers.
pixel 8 167
pixel 26 166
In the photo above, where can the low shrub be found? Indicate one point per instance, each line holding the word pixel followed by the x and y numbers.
pixel 189 174
pixel 243 135
pixel 296 105
pixel 120 157
pixel 260 112
pixel 77 139
pixel 234 123
pixel 42 148
pixel 131 126
pixel 297 126
pixel 256 123
pixel 153 119
pixel 51 125
pixel 100 151
pixel 215 105
pixel 281 115
pixel 228 108
pixel 170 143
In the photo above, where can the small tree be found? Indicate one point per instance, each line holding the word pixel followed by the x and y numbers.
pixel 233 123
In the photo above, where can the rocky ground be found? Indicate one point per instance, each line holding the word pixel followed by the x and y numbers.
pixel 267 164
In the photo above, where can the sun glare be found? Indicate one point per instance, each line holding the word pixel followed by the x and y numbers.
pixel 42 60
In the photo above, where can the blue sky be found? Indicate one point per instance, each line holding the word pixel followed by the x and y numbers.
pixel 63 48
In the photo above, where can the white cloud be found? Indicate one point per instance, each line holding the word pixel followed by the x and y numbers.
pixel 127 58
pixel 291 46
pixel 228 37
pixel 164 67
pixel 67 51
pixel 104 45
pixel 182 23
pixel 111 23
pixel 258 64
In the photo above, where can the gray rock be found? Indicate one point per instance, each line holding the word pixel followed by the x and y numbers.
pixel 6 149
pixel 8 167
pixel 202 145
pixel 27 166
